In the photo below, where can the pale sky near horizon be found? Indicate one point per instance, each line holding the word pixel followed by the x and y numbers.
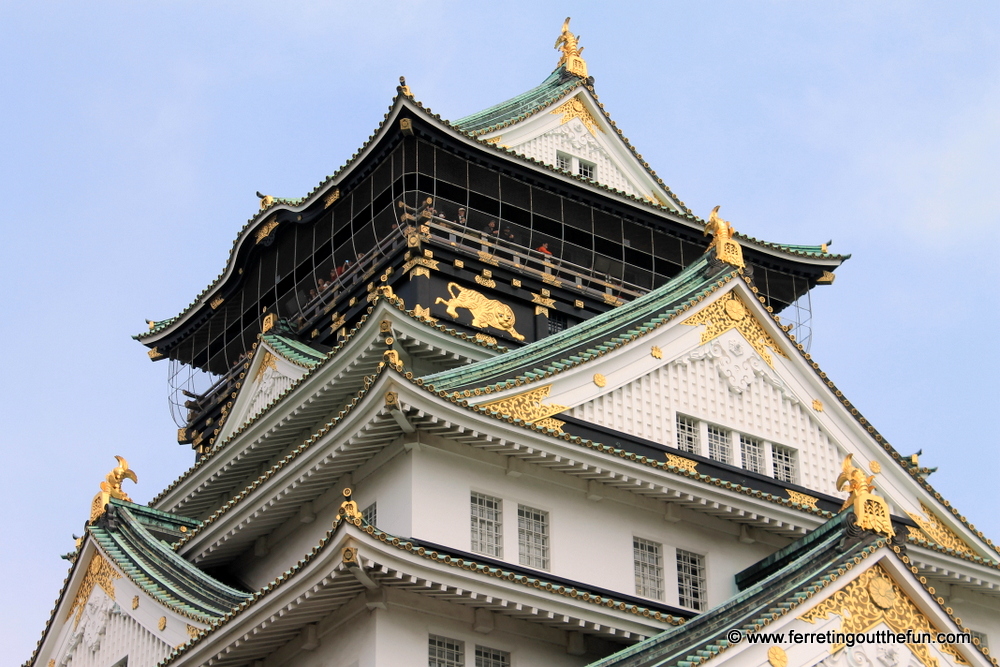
pixel 135 136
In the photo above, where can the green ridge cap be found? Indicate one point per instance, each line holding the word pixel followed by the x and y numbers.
pixel 556 85
pixel 294 351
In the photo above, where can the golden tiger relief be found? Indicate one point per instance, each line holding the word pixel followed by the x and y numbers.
pixel 486 312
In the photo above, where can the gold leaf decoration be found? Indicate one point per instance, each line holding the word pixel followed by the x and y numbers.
pixel 681 462
pixel 875 598
pixel 938 532
pixel 99 573
pixel 801 498
pixel 729 312
pixel 528 407
pixel 485 312
pixel 575 108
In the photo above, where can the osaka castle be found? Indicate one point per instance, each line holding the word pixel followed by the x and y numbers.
pixel 492 396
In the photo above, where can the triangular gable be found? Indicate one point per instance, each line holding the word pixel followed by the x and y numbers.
pixel 806 604
pixel 270 373
pixel 725 361
pixel 573 133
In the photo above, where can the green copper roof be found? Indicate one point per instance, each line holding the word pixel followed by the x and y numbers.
pixel 558 84
pixel 294 351
pixel 153 566
pixel 595 335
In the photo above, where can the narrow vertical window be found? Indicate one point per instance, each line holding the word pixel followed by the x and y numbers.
pixel 687 434
pixel 491 657
pixel 587 169
pixel 691 580
pixel 752 451
pixel 720 445
pixel 370 514
pixel 445 652
pixel 533 537
pixel 648 568
pixel 562 161
pixel 487 525
pixel 784 464
pixel 557 322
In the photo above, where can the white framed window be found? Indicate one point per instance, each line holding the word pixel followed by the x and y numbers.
pixel 370 514
pixel 687 434
pixel 648 557
pixel 720 445
pixel 981 636
pixel 564 161
pixel 691 580
pixel 752 453
pixel 491 657
pixel 445 652
pixel 533 537
pixel 783 463
pixel 586 169
pixel 487 525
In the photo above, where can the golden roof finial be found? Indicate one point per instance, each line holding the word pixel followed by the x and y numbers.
pixel 871 512
pixel 111 487
pixel 569 44
pixel 265 200
pixel 349 509
pixel 726 248
pixel 403 88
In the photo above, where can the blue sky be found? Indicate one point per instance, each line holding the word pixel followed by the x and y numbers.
pixel 135 136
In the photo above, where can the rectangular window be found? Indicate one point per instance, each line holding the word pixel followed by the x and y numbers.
pixel 533 537
pixel 557 322
pixel 487 525
pixel 444 652
pixel 648 568
pixel 587 169
pixel 783 462
pixel 370 514
pixel 981 636
pixel 491 657
pixel 562 161
pixel 691 580
pixel 752 451
pixel 687 435
pixel 719 444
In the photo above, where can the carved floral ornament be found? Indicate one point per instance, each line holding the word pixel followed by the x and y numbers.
pixel 528 407
pixel 729 312
pixel 873 598
pixel 575 108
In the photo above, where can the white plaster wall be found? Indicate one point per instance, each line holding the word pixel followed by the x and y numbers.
pixel 647 408
pixel 575 139
pixel 105 635
pixel 353 643
pixel 590 542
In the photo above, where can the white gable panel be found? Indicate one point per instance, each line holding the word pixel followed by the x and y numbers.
pixel 574 139
pixel 736 391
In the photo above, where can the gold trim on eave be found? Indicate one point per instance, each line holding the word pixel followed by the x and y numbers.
pixel 99 573
pixel 528 407
pixel 729 312
pixel 934 530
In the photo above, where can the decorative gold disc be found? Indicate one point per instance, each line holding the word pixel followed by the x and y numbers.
pixel 881 593
pixel 875 467
pixel 735 310
pixel 600 380
pixel 777 657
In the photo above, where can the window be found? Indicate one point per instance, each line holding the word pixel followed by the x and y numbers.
pixel 648 568
pixel 783 462
pixel 533 537
pixel 491 657
pixel 587 169
pixel 691 580
pixel 487 525
pixel 370 514
pixel 563 161
pixel 981 636
pixel 557 322
pixel 687 434
pixel 719 444
pixel 752 451
pixel 444 652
